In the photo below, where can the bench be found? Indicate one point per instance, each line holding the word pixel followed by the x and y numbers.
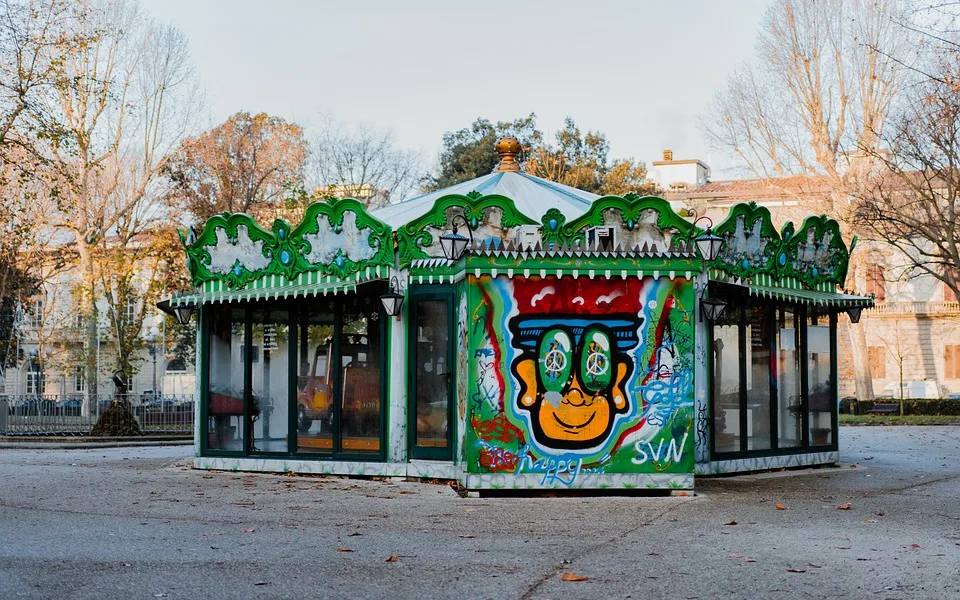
pixel 884 408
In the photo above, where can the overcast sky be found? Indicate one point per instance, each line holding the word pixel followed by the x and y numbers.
pixel 641 72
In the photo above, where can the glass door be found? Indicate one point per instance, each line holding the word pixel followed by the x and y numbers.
pixel 431 380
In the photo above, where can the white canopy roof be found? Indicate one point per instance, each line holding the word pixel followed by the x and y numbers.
pixel 533 197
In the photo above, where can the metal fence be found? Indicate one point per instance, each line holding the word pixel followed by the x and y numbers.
pixel 65 415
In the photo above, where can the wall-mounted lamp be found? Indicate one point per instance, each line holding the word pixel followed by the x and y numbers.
pixel 708 244
pixel 393 300
pixel 453 244
pixel 181 313
pixel 854 313
pixel 711 308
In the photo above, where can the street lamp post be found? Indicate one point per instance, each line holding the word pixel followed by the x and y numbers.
pixel 152 341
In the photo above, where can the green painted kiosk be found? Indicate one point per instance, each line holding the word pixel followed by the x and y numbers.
pixel 510 332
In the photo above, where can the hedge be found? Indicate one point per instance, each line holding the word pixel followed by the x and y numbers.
pixel 917 406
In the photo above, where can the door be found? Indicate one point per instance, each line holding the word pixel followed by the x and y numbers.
pixel 431 382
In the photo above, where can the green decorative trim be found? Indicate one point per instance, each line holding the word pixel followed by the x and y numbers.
pixel 289 252
pixel 815 255
pixel 415 236
pixel 631 208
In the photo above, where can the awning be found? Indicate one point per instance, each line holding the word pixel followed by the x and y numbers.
pixel 815 297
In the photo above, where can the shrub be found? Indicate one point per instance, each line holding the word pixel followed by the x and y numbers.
pixel 918 406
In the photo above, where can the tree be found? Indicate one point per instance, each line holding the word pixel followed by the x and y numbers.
pixel 582 161
pixel 362 164
pixel 468 153
pixel 816 97
pixel 574 159
pixel 126 98
pixel 911 201
pixel 245 164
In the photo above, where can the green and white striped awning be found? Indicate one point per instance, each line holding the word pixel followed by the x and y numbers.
pixel 815 297
pixel 272 287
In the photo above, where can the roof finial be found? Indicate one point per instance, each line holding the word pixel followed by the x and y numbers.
pixel 508 148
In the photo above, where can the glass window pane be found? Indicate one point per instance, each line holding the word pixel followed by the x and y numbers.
pixel 788 379
pixel 433 373
pixel 360 375
pixel 225 428
pixel 726 381
pixel 269 380
pixel 759 340
pixel 819 376
pixel 315 378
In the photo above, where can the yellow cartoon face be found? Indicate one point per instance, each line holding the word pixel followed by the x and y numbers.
pixel 572 390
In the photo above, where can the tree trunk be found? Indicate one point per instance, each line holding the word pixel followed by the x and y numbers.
pixel 88 308
pixel 861 361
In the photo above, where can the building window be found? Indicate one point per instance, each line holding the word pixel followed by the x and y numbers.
pixel 875 282
pixel 177 365
pixel 36 381
pixel 951 361
pixel 35 313
pixel 130 312
pixel 80 320
pixel 79 380
pixel 878 362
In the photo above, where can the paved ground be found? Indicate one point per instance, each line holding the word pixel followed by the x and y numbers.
pixel 138 523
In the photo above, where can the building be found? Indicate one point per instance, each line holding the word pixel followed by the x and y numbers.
pixel 509 332
pixel 912 333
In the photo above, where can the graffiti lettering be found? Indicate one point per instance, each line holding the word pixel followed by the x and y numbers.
pixel 673 451
pixel 498 459
pixel 555 470
pixel 497 428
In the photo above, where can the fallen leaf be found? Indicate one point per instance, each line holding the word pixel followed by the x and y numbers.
pixel 796 570
pixel 781 506
pixel 814 566
pixel 467 537
pixel 355 534
pixel 344 550
pixel 853 466
pixel 250 529
pixel 749 560
pixel 732 523
pixel 845 506
pixel 914 546
pixel 869 520
pixel 571 576
pixel 392 558
pixel 879 513
pixel 405 492
pixel 262 583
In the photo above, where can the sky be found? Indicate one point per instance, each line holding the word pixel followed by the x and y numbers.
pixel 641 72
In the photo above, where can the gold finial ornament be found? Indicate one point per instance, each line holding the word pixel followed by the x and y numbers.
pixel 508 148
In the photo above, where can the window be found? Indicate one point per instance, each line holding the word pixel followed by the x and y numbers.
pixel 79 380
pixel 875 282
pixel 177 365
pixel 878 362
pixel 821 401
pixel 951 361
pixel 35 313
pixel 726 381
pixel 225 427
pixel 130 312
pixel 80 320
pixel 36 381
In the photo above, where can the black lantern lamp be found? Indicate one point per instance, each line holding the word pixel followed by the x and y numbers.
pixel 854 313
pixel 393 300
pixel 183 314
pixel 708 244
pixel 711 308
pixel 453 244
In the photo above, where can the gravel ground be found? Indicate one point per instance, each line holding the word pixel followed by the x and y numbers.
pixel 140 523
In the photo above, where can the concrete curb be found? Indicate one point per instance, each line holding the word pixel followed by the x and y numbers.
pixel 80 443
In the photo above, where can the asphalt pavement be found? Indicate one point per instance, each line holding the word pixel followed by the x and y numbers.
pixel 138 522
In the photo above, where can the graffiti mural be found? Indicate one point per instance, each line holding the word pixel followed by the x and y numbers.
pixel 571 376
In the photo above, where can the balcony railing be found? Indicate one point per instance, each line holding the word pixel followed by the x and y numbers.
pixel 915 308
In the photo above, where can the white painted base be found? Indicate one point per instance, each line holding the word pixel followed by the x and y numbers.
pixel 766 463
pixel 425 469
pixel 584 481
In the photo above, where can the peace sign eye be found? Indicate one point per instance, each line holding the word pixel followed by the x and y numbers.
pixel 555 359
pixel 596 360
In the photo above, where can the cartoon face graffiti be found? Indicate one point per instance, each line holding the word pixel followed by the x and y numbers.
pixel 572 374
